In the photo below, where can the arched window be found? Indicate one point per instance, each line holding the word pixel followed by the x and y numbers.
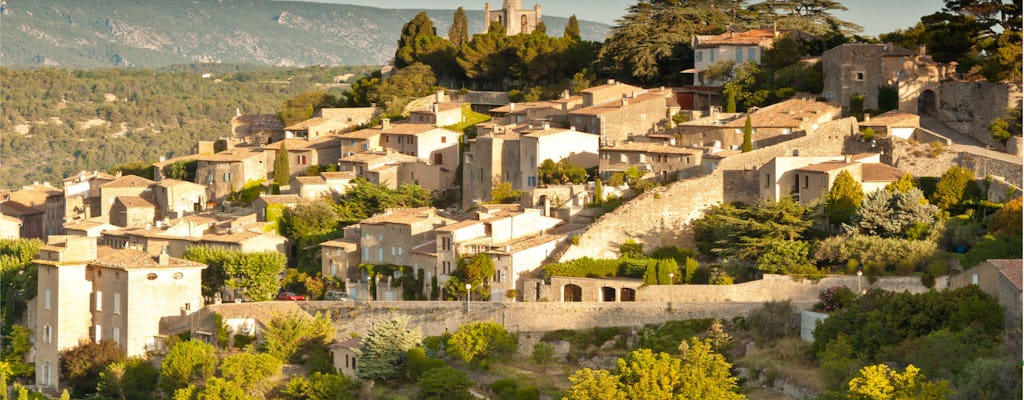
pixel 572 294
pixel 522 24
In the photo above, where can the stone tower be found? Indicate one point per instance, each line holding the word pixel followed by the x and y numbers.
pixel 512 15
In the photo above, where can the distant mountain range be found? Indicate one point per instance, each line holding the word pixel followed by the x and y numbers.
pixel 154 33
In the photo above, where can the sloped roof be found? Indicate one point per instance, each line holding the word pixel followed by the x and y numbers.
pixel 615 105
pixel 402 216
pixel 168 182
pixel 305 125
pixel 655 148
pixel 410 129
pixel 753 37
pixel 1011 269
pixel 362 134
pixel 233 154
pixel 825 166
pixel 128 181
pixel 127 259
pixel 877 172
pixel 135 202
pixel 281 199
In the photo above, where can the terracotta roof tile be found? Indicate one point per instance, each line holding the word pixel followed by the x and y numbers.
pixel 127 259
pixel 362 134
pixel 825 166
pixel 650 148
pixel 617 104
pixel 135 202
pixel 128 181
pixel 232 155
pixel 1011 269
pixel 305 125
pixel 877 172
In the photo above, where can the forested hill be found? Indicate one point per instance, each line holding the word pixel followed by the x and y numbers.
pixel 75 34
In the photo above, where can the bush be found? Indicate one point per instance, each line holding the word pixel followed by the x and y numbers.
pixel 993 247
pixel 482 341
pixel 665 337
pixel 773 321
pixel 80 366
pixel 445 383
pixel 836 297
pixel 876 254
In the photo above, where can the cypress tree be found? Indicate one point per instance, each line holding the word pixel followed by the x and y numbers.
pixel 748 131
pixel 541 28
pixel 572 29
pixel 282 172
pixel 420 25
pixel 459 32
pixel 844 198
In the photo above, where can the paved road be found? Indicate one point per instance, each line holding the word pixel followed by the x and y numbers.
pixel 965 143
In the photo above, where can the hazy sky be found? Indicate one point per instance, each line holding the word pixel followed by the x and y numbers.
pixel 876 16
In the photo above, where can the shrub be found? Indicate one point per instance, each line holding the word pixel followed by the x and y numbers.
pixel 482 341
pixel 445 383
pixel 992 247
pixel 543 354
pixel 936 148
pixel 876 254
pixel 80 366
pixel 773 321
pixel 836 297
pixel 868 134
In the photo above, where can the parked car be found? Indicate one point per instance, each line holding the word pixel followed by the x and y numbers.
pixel 336 295
pixel 290 296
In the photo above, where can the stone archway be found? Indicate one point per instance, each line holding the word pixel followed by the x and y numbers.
pixel 608 294
pixel 927 103
pixel 627 294
pixel 572 294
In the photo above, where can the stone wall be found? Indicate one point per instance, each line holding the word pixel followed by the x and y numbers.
pixel 984 166
pixel 662 216
pixel 970 107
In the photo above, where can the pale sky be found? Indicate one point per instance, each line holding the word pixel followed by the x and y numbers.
pixel 876 16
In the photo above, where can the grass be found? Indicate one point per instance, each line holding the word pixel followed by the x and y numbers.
pixel 470 118
pixel 786 359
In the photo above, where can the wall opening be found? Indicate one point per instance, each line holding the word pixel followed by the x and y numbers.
pixel 572 294
pixel 927 104
pixel 627 294
pixel 608 294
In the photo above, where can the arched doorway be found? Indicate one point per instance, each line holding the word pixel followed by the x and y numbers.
pixel 572 294
pixel 927 103
pixel 627 294
pixel 608 294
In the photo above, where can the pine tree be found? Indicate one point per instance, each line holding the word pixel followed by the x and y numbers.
pixel 541 28
pixel 843 199
pixel 953 189
pixel 419 26
pixel 459 31
pixel 748 131
pixel 572 29
pixel 282 172
pixel 385 347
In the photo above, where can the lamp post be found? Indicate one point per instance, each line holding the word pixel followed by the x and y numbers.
pixel 469 293
pixel 859 273
pixel 671 278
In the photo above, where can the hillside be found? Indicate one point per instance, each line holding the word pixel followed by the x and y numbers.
pixel 151 33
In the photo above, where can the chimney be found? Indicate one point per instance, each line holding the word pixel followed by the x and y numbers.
pixel 512 107
pixel 439 96
pixel 625 101
pixel 867 117
pixel 163 258
pixel 434 108
pixel 385 123
pixel 922 50
pixel 611 81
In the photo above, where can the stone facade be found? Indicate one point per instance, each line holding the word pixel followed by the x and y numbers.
pixel 617 112
pixel 512 15
pixel 228 171
pixel 862 68
pixel 1002 280
pixel 970 107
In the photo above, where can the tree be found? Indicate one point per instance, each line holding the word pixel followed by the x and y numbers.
pixel 788 257
pixel 445 383
pixel 747 133
pixel 503 193
pixel 282 170
pixel 648 375
pixel 572 29
pixel 706 374
pixel 255 274
pixel 741 229
pixel 385 348
pixel 302 106
pixel 292 337
pixel 894 214
pixel 543 354
pixel 1008 125
pixel 481 342
pixel 80 366
pixel 395 91
pixel 588 384
pixel 1008 220
pixel 904 184
pixel 954 189
pixel 321 386
pixel 132 379
pixel 458 33
pixel 561 172
pixel 251 372
pixel 221 389
pixel 879 382
pixel 843 199
pixel 187 363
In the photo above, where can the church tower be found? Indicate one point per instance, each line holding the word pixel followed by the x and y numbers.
pixel 513 17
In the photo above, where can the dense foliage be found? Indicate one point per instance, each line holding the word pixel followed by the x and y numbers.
pixel 187 363
pixel 80 366
pixel 255 274
pixel 385 349
pixel 482 342
pixel 742 230
pixel 18 280
pixel 298 337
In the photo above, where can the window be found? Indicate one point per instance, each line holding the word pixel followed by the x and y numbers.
pixel 392 250
pixel 438 158
pixel 117 335
pixel 699 56
pixel 380 254
pixel 787 131
pixel 712 51
pixel 209 178
pixel 806 181
pixel 99 300
pixel 623 158
pixel 351 142
pixel 751 53
pixel 301 159
pixel 531 181
pixel 366 146
pixel 366 253
pixel 46 372
pixel 97 333
pixel 643 157
pixel 117 302
pixel 227 177
pixel 46 299
pixel 444 139
pixel 399 250
pixel 767 180
pixel 334 268
pixel 858 76
pixel 739 55
pixel 48 334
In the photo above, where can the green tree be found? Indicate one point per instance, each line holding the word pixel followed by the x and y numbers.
pixel 1008 220
pixel 282 170
pixel 222 389
pixel 543 354
pixel 396 91
pixel 706 373
pixel 503 193
pixel 788 257
pixel 588 384
pixel 132 379
pixel 1008 125
pixel 292 337
pixel 18 281
pixel 903 185
pixel 561 172
pixel 321 386
pixel 17 346
pixel 843 199
pixel 838 363
pixel 572 29
pixel 879 382
pixel 80 366
pixel 894 214
pixel 251 372
pixel 302 106
pixel 187 363
pixel 954 189
pixel 255 274
pixel 748 131
pixel 741 229
pixel 309 219
pixel 458 33
pixel 482 342
pixel 385 348
pixel 445 383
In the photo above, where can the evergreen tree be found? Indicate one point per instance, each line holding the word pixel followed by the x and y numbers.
pixel 418 26
pixel 903 185
pixel 385 348
pixel 748 131
pixel 541 28
pixel 953 189
pixel 843 199
pixel 459 31
pixel 282 171
pixel 572 29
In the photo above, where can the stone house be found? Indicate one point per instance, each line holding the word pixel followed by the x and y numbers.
pixel 94 293
pixel 226 172
pixel 264 201
pixel 810 178
pixel 515 156
pixel 769 125
pixel 344 355
pixel 512 15
pixel 389 237
pixel 175 198
pixel 132 211
pixel 359 141
pixel 176 236
pixel 256 129
pixel 438 114
pixel 1002 280
pixel 556 111
pixel 87 228
pixel 313 128
pixel 325 184
pixel 427 142
pixel 125 186
pixel 616 112
pixel 392 169
pixel 10 227
pixel 893 123
pixel 350 116
pixel 739 47
pixel 511 235
pixel 82 194
pixel 47 198
pixel 660 162
pixel 860 68
pixel 340 258
pixel 305 153
pixel 31 219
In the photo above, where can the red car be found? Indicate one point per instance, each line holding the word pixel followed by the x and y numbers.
pixel 290 296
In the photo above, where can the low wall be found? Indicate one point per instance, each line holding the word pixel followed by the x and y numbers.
pixel 982 166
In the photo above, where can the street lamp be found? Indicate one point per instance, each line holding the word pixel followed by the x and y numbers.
pixel 859 273
pixel 469 293
pixel 671 278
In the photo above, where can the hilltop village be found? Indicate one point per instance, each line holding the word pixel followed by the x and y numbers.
pixel 611 207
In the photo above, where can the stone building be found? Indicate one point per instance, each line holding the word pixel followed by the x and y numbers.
pixel 810 178
pixel 860 69
pixel 132 211
pixel 344 355
pixel 359 141
pixel 513 17
pixel 616 112
pixel 174 237
pixel 393 169
pixel 227 171
pixel 46 198
pixel 125 186
pixel 313 128
pixel 308 152
pixel 92 293
pixel 10 227
pixel 175 198
pixel 438 114
pixel 660 162
pixel 769 125
pixel 31 224
pixel 256 129
pixel 82 194
pixel 325 184
pixel 1002 280
pixel 893 123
